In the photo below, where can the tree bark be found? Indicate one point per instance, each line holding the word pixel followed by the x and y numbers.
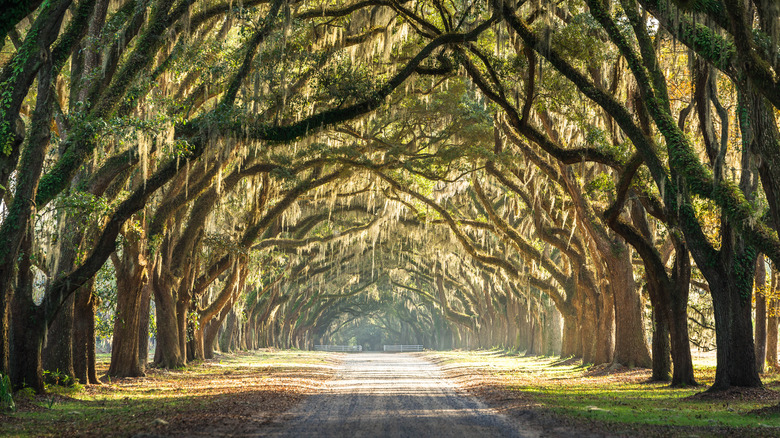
pixel 143 326
pixel 131 279
pixel 29 328
pixel 214 324
pixel 668 294
pixel 183 326
pixel 588 326
pixel 662 346
pixel 168 352
pixel 212 330
pixel 231 289
pixel 771 325
pixel 630 344
pixel 555 330
pixel 15 229
pixel 736 358
pixel 571 345
pixel 678 317
pixel 761 321
pixel 731 287
pixel 58 352
pixel 604 347
pixel 84 335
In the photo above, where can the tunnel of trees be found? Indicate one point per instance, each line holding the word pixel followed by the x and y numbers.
pixel 597 179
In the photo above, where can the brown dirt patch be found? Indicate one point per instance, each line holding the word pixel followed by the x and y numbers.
pixel 207 399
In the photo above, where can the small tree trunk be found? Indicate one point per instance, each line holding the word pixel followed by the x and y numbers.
pixel 168 352
pixel 556 332
pixel 523 331
pixel 771 336
pixel 195 346
pixel 80 330
pixel 143 326
pixel 532 329
pixel 678 318
pixel 227 336
pixel 84 335
pixel 253 331
pixel 210 336
pixel 538 340
pixel 760 322
pixel 182 308
pixel 6 299
pixel 91 359
pixel 587 328
pixel 771 325
pixel 681 351
pixel 662 363
pixel 212 330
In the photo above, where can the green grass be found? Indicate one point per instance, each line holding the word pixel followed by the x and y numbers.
pixel 621 397
pixel 123 407
pixel 649 404
pixel 566 388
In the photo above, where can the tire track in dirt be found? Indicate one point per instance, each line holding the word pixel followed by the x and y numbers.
pixel 397 395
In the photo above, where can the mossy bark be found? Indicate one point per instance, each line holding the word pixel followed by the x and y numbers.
pixel 22 354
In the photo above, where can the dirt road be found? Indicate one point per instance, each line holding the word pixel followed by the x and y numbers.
pixel 393 395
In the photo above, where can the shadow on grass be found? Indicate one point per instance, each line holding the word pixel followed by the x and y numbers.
pixel 161 415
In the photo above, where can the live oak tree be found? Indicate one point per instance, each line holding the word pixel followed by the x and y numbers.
pixel 281 173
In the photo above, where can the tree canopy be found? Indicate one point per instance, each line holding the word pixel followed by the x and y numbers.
pixel 555 177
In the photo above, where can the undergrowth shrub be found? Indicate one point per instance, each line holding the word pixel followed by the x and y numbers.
pixel 57 378
pixel 6 394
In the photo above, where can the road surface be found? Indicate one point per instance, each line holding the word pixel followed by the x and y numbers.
pixel 391 395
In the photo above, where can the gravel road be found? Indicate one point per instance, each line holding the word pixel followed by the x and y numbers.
pixel 392 395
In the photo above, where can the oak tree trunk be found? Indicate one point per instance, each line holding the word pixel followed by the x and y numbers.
pixel 760 322
pixel 662 361
pixel 28 330
pixel 571 345
pixel 771 325
pixel 143 326
pixel 677 297
pixel 630 344
pixel 604 347
pixel 58 351
pixel 84 335
pixel 168 352
pixel 731 288
pixel 131 279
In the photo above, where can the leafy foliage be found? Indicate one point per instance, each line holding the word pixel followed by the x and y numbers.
pixel 6 393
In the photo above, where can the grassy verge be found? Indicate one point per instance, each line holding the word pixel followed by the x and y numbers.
pixel 232 392
pixel 604 399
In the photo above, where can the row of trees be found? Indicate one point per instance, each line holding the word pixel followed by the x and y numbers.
pixel 461 174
